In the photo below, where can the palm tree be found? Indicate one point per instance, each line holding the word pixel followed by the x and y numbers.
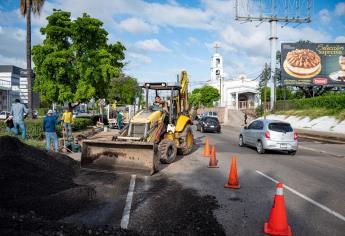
pixel 26 6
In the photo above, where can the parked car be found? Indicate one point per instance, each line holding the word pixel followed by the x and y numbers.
pixel 3 115
pixel 208 124
pixel 269 135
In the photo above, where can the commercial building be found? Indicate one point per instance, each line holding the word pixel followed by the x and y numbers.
pixel 13 85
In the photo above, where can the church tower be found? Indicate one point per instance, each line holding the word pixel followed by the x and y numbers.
pixel 216 66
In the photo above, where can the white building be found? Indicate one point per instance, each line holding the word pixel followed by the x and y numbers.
pixel 9 86
pixel 23 86
pixel 240 93
pixel 13 85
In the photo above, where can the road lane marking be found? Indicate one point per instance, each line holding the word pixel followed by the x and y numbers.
pixel 319 151
pixel 323 207
pixel 127 210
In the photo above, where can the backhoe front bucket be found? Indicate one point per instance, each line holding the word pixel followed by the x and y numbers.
pixel 120 155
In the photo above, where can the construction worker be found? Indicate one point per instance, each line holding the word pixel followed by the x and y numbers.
pixel 18 111
pixel 157 104
pixel 49 129
pixel 67 120
pixel 119 120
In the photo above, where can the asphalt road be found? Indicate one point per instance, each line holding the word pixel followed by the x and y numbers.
pixel 319 176
pixel 186 197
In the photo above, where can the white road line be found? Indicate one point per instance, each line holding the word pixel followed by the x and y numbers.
pixel 127 210
pixel 323 207
pixel 146 183
pixel 319 151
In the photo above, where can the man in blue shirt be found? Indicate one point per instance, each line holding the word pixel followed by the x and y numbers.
pixel 18 111
pixel 49 128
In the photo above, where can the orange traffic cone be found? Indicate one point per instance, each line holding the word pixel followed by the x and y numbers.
pixel 233 179
pixel 207 148
pixel 213 159
pixel 277 223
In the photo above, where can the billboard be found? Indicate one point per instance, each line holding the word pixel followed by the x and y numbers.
pixel 313 64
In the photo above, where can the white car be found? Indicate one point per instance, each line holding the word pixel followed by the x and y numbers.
pixel 210 114
pixel 3 115
pixel 269 135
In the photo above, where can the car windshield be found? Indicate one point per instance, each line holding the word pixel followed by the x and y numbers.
pixel 280 127
pixel 211 119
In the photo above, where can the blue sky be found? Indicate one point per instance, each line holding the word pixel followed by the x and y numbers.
pixel 163 37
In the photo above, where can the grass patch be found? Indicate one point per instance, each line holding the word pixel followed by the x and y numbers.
pixel 314 113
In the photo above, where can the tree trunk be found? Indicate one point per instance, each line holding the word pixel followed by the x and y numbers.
pixel 28 55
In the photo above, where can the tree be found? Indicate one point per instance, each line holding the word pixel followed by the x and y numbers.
pixel 75 63
pixel 25 9
pixel 205 96
pixel 123 89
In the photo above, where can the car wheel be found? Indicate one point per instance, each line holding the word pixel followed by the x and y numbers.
pixel 260 148
pixel 292 153
pixel 218 131
pixel 202 130
pixel 241 143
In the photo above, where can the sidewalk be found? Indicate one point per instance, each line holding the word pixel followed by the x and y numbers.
pixel 329 137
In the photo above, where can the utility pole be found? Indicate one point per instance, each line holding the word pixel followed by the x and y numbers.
pixel 274 11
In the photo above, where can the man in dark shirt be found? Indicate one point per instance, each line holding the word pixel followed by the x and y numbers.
pixel 49 129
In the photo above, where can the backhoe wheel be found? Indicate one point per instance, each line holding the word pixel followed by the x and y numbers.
pixel 188 140
pixel 167 151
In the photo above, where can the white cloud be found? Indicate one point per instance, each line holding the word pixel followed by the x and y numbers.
pixel 138 58
pixel 289 34
pixel 5 60
pixel 324 16
pixel 340 9
pixel 340 39
pixel 135 25
pixel 192 41
pixel 151 45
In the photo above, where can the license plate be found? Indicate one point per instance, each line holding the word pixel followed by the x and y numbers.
pixel 283 145
pixel 212 126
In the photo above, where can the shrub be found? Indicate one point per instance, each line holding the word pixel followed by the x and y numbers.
pixel 331 101
pixel 34 128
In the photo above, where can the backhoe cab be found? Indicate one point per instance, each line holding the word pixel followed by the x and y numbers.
pixel 154 134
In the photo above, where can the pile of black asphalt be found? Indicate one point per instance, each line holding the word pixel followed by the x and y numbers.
pixel 37 189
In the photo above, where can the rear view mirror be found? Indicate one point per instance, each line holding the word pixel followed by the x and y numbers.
pixel 245 127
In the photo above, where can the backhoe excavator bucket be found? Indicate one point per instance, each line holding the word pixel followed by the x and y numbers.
pixel 120 155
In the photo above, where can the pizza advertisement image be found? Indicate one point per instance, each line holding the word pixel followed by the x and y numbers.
pixel 313 64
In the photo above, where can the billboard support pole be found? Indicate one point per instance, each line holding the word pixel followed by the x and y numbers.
pixel 273 46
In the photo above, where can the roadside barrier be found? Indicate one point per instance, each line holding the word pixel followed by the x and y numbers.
pixel 233 179
pixel 213 159
pixel 277 223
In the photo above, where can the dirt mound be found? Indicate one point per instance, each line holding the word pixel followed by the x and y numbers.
pixel 27 172
pixel 35 180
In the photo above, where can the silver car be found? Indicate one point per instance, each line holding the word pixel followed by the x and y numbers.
pixel 269 135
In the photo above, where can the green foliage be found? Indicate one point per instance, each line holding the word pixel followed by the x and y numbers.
pixel 34 128
pixel 75 63
pixel 42 111
pixel 268 94
pixel 333 101
pixel 123 90
pixel 204 96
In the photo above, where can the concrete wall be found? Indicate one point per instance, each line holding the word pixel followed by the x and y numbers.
pixel 220 111
pixel 325 123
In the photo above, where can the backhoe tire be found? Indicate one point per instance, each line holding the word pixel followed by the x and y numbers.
pixel 188 141
pixel 167 151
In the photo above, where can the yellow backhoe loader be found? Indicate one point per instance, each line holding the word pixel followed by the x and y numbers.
pixel 153 135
